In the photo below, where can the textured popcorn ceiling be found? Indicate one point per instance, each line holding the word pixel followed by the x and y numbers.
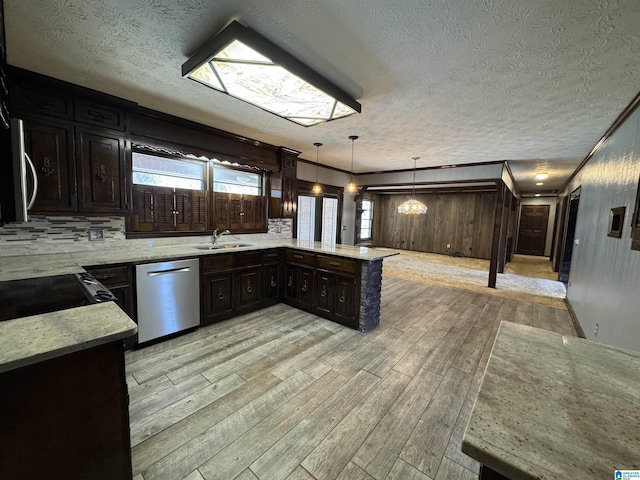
pixel 453 81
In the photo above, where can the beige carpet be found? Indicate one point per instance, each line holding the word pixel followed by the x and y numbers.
pixel 526 278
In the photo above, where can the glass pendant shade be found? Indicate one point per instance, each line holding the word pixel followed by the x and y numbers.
pixel 317 189
pixel 241 63
pixel 351 186
pixel 413 206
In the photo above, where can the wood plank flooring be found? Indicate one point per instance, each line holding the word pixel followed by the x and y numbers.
pixel 282 394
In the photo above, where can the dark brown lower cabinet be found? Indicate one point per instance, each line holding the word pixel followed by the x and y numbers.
pixel 216 297
pixel 344 304
pixel 216 280
pixel 67 418
pixel 272 277
pixel 304 294
pixel 325 285
pixel 247 292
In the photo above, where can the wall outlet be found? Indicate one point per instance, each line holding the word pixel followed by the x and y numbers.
pixel 96 234
pixel 448 246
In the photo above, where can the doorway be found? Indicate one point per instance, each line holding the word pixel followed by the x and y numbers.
pixel 532 235
pixel 567 251
pixel 317 219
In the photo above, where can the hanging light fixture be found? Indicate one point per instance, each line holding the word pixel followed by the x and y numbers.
pixel 413 206
pixel 351 186
pixel 317 189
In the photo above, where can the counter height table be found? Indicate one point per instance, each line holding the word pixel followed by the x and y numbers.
pixel 555 407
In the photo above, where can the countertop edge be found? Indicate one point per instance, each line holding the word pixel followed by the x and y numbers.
pixel 18 354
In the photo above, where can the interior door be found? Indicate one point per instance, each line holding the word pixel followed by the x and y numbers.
pixel 532 235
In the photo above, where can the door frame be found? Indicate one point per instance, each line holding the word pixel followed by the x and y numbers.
pixel 304 188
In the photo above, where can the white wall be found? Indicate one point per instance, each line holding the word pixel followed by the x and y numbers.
pixel 552 217
pixel 605 273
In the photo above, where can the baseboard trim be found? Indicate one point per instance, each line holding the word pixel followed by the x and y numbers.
pixel 574 319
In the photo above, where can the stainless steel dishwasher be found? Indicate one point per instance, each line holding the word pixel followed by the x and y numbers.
pixel 168 297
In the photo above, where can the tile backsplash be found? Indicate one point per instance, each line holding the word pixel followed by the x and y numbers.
pixel 54 234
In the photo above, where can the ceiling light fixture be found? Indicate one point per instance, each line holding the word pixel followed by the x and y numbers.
pixel 541 176
pixel 243 64
pixel 351 186
pixel 317 189
pixel 539 183
pixel 413 206
pixel 537 195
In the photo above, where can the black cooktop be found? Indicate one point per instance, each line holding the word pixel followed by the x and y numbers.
pixel 33 296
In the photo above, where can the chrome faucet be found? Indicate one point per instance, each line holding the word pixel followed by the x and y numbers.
pixel 216 235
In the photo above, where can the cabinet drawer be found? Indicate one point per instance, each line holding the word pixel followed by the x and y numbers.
pixel 249 259
pixel 215 263
pixel 111 276
pixel 96 114
pixel 271 256
pixel 41 102
pixel 295 256
pixel 337 264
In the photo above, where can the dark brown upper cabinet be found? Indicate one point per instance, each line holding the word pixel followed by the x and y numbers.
pixel 284 205
pixel 77 145
pixel 50 148
pixel 101 168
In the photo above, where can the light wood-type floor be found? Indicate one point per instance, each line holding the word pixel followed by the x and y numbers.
pixel 282 394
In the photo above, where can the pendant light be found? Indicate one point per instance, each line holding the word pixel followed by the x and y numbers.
pixel 352 188
pixel 317 189
pixel 413 206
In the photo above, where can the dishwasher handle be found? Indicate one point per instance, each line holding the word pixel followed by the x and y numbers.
pixel 167 272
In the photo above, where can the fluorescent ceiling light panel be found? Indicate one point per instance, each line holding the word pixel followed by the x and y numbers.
pixel 241 63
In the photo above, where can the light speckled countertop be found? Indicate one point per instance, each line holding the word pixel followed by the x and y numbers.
pixel 556 407
pixel 29 266
pixel 29 340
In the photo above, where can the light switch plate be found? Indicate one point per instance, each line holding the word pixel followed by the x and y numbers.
pixel 96 234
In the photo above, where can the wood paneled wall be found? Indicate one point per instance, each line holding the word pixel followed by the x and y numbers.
pixel 462 220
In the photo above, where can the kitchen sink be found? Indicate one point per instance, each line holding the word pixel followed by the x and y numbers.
pixel 223 247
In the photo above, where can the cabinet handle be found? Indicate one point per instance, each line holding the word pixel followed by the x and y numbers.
pixel 249 289
pixel 304 286
pixel 102 174
pixel 290 282
pixel 273 282
pixel 298 256
pixel 341 299
pixel 272 255
pixel 335 264
pixel 220 295
pixel 47 169
pixel 324 291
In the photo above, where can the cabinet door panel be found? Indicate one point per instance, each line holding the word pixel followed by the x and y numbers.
pixel 198 212
pixel 50 147
pixel 217 297
pixel 101 163
pixel 248 289
pixel 290 286
pixel 272 282
pixel 344 300
pixel 289 194
pixel 324 292
pixel 305 287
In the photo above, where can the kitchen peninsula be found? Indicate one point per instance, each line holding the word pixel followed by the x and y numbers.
pixel 555 407
pixel 78 352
